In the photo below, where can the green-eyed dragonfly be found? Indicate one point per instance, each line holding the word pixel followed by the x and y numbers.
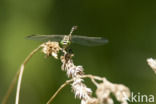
pixel 66 40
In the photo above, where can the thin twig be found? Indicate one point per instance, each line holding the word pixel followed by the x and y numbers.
pixel 21 73
pixel 5 99
pixel 18 74
pixel 60 88
pixel 69 81
pixel 19 84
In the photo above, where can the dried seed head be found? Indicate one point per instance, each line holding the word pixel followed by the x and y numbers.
pixel 152 63
pixel 121 93
pixel 104 90
pixel 51 48
pixel 72 70
pixel 80 89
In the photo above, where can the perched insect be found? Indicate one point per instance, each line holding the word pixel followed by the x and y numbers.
pixel 66 40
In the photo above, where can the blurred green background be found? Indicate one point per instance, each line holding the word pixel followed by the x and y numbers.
pixel 129 25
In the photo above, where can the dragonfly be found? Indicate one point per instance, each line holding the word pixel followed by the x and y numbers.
pixel 66 40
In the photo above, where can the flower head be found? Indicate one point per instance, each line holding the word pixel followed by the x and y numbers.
pixel 51 48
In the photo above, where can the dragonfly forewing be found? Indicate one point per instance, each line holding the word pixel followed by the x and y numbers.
pixel 78 39
pixel 46 37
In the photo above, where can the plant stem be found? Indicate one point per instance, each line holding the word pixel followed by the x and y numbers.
pixel 18 74
pixel 19 84
pixel 60 88
pixel 21 73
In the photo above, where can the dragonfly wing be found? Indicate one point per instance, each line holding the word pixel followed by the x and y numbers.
pixel 89 41
pixel 46 37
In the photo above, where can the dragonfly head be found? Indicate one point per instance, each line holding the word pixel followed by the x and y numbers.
pixel 66 41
